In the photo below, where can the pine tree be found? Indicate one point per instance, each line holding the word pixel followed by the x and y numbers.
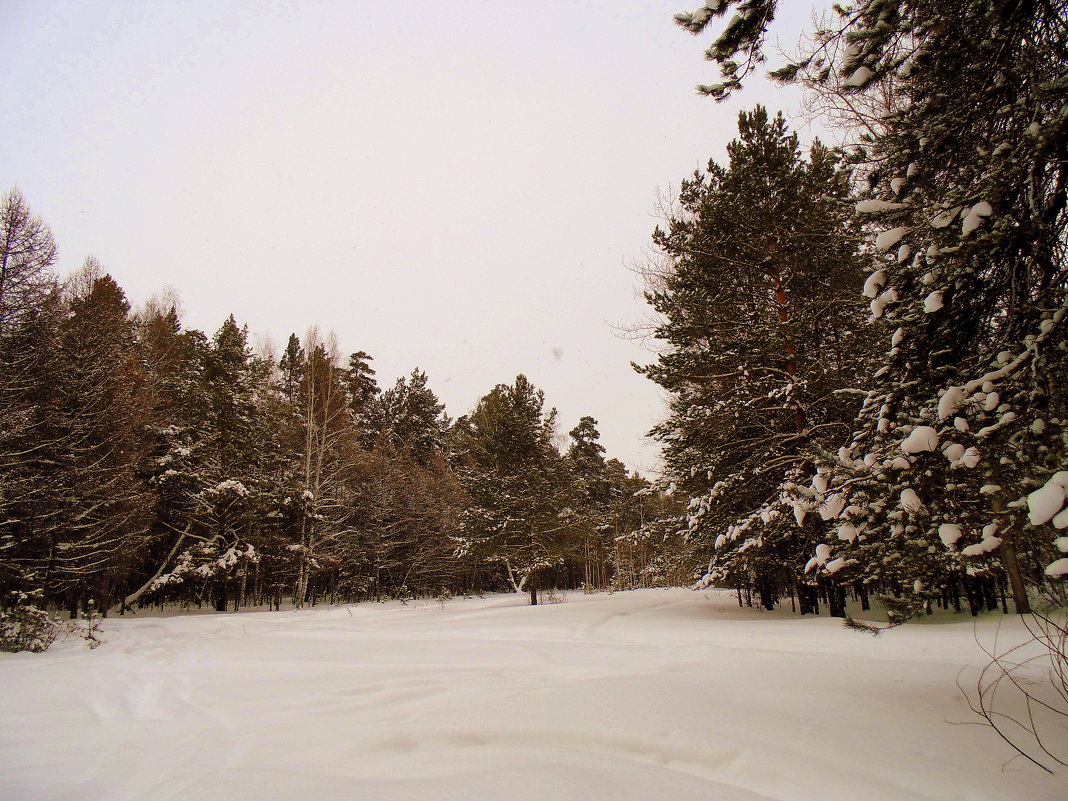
pixel 518 490
pixel 760 317
pixel 594 499
pixel 410 416
pixel 956 466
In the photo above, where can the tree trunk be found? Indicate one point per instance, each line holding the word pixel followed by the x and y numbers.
pixel 1016 581
pixel 131 599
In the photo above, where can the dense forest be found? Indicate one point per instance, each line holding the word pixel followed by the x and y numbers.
pixel 863 348
pixel 915 449
pixel 144 463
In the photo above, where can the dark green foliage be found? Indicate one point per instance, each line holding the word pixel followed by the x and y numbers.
pixel 963 153
pixel 762 323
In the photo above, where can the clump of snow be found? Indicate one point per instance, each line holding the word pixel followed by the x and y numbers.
pixel 975 216
pixel 933 302
pixel 823 553
pixel 874 283
pixel 879 304
pixel 835 565
pixel 953 451
pixel 847 532
pixel 887 239
pixel 950 402
pixel 1045 502
pixel 944 218
pixel 1057 569
pixel 832 507
pixel 921 438
pixel 910 501
pixel 949 533
pixel 877 206
pixel 860 76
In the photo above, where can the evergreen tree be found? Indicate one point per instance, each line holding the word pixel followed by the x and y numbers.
pixel 410 416
pixel 595 496
pixel 760 316
pixel 517 515
pixel 363 396
pixel 956 467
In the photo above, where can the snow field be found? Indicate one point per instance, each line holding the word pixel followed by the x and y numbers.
pixel 656 694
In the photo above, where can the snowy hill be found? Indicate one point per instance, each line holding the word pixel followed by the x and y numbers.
pixel 656 694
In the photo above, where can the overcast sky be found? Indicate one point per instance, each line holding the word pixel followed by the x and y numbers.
pixel 458 186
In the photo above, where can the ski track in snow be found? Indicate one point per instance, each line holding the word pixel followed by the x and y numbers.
pixel 655 694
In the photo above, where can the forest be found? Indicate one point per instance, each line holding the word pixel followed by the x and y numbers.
pixel 144 463
pixel 862 346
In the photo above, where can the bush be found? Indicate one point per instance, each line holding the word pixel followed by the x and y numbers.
pixel 27 628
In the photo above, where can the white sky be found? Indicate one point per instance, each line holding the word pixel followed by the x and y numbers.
pixel 456 186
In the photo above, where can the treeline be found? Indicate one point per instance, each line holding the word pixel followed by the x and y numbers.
pixel 141 462
pixel 912 442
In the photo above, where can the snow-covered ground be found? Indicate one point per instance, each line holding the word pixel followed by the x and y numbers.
pixel 650 695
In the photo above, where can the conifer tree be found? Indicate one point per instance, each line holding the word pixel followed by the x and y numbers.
pixel 517 515
pixel 956 467
pixel 760 316
pixel 29 313
pixel 409 415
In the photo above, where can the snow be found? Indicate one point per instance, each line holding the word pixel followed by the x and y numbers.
pixel 975 216
pixel 953 451
pixel 910 501
pixel 887 239
pixel 933 302
pixel 970 459
pixel 835 565
pixel 655 694
pixel 847 532
pixel 876 206
pixel 921 438
pixel 1057 569
pixel 1045 502
pixel 950 402
pixel 860 76
pixel 832 507
pixel 878 306
pixel 874 283
pixel 987 545
pixel 949 533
